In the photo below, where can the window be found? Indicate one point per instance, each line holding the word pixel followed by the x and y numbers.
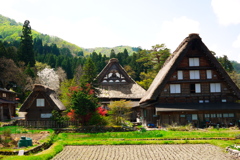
pixel 46 115
pixel 175 88
pixel 207 115
pixel 213 115
pixel 209 74
pixel 180 74
pixel 215 87
pixel 219 115
pixel 40 103
pixel 225 115
pixel 145 113
pixel 193 61
pixel 4 95
pixel 194 117
pixel 195 74
pixel 195 88
pixel 224 100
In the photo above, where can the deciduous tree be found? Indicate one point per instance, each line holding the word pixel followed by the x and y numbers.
pixel 119 111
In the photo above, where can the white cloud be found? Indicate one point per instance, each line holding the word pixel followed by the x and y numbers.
pixel 227 11
pixel 236 43
pixel 173 32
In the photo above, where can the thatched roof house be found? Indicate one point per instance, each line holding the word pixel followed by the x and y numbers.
pixel 192 86
pixel 40 103
pixel 115 84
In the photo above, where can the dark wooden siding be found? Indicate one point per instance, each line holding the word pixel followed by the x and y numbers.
pixel 186 96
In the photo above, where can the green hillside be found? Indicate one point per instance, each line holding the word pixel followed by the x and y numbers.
pixel 10 30
pixel 107 51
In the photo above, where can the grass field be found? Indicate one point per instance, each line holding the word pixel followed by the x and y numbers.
pixel 135 137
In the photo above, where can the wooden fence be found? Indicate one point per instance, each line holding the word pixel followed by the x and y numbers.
pixel 47 124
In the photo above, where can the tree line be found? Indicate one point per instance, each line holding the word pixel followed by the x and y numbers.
pixel 142 65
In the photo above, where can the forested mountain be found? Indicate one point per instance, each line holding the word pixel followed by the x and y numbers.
pixel 141 64
pixel 107 51
pixel 11 31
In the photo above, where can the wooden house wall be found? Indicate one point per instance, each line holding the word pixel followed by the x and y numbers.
pixel 8 95
pixel 186 96
pixel 34 112
pixel 148 114
pixel 184 118
pixel 7 110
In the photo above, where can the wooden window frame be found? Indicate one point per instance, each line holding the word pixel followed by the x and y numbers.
pixel 194 74
pixel 209 74
pixel 180 75
pixel 40 102
pixel 175 88
pixel 195 88
pixel 194 62
pixel 215 87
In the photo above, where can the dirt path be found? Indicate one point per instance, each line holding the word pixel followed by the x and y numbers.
pixel 144 152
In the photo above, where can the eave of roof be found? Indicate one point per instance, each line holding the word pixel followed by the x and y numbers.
pixel 4 101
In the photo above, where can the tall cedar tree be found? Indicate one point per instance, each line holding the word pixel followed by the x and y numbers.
pixel 26 53
pixel 89 73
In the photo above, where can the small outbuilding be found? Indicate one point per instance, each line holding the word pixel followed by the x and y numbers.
pixel 8 104
pixel 40 103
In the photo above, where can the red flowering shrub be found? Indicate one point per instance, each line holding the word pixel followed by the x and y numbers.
pixel 102 111
pixel 83 103
pixel 71 115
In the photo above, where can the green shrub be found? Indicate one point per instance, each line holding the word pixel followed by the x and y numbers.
pixel 97 119
pixel 237 136
pixel 143 130
pixel 175 127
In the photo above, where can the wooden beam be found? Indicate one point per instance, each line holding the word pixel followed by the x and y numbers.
pixel 1 111
pixel 10 112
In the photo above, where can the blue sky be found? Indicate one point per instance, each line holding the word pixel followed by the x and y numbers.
pixel 110 23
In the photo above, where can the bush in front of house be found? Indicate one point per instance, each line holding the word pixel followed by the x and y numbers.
pixel 175 127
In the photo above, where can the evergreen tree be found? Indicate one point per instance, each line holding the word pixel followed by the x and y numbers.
pixel 26 53
pixel 112 54
pixel 3 51
pixel 227 65
pixel 89 72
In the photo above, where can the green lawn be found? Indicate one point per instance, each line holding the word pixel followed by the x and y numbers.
pixel 18 129
pixel 156 134
pixel 136 137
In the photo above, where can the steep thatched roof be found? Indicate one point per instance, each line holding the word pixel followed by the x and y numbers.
pixel 49 94
pixel 114 82
pixel 172 62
